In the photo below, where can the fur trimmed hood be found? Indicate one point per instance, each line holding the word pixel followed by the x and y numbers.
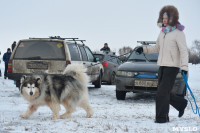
pixel 172 13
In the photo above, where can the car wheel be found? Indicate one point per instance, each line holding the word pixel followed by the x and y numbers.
pixel 97 83
pixel 112 79
pixel 120 95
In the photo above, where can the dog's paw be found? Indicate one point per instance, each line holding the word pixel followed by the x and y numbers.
pixel 23 116
pixel 64 116
pixel 89 114
pixel 54 117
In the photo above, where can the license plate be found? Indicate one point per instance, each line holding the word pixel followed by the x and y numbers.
pixel 37 65
pixel 143 83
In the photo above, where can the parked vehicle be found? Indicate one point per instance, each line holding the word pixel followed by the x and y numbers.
pixel 110 63
pixel 51 56
pixel 139 74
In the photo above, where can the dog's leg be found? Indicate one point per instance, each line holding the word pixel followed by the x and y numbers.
pixel 31 109
pixel 85 105
pixel 69 109
pixel 55 107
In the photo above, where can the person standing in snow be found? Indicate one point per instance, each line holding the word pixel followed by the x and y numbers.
pixel 13 45
pixel 173 55
pixel 6 58
pixel 105 48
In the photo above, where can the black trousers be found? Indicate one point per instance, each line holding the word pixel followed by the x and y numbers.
pixel 6 70
pixel 166 79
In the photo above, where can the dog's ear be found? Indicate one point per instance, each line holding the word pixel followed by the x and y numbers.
pixel 38 80
pixel 22 79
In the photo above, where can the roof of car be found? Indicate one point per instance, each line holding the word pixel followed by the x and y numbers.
pixel 146 42
pixel 57 38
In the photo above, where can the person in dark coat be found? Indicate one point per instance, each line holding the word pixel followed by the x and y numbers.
pixel 105 48
pixel 13 45
pixel 6 58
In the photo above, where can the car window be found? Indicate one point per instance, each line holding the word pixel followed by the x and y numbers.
pixel 119 61
pixel 100 56
pixel 114 59
pixel 83 53
pixel 40 50
pixel 135 57
pixel 74 52
pixel 90 55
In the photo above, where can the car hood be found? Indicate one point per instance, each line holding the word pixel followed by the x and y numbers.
pixel 139 67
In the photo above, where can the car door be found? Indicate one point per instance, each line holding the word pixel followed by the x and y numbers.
pixel 94 67
pixel 85 60
pixel 114 63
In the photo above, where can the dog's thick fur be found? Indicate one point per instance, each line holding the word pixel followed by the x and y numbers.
pixel 172 14
pixel 69 89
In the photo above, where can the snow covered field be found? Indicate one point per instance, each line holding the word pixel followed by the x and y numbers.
pixel 135 114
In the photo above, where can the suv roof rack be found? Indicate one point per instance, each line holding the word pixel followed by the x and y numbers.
pixel 75 40
pixel 146 42
pixel 60 38
pixel 53 37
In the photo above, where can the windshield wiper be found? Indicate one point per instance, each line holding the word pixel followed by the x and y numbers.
pixel 153 60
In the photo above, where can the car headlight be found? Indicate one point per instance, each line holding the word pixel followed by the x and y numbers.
pixel 179 75
pixel 125 73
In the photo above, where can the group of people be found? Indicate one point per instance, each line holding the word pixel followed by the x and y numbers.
pixel 6 58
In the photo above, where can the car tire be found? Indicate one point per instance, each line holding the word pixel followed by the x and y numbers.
pixel 112 79
pixel 97 84
pixel 120 95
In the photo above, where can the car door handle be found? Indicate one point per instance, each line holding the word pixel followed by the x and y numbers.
pixel 84 63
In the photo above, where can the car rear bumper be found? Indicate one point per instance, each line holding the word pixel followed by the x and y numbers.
pixel 15 77
pixel 127 84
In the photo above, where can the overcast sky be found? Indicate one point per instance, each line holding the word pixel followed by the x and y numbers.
pixel 116 22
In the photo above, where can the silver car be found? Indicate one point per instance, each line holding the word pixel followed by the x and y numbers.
pixel 110 63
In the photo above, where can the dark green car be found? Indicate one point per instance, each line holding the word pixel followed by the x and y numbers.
pixel 139 74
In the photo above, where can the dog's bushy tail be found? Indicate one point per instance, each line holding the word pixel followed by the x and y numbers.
pixel 78 71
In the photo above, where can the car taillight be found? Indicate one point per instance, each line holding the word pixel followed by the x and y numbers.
pixel 105 64
pixel 68 62
pixel 10 66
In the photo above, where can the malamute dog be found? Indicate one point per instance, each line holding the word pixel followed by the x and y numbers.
pixel 69 89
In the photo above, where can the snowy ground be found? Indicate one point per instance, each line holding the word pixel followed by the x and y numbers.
pixel 135 114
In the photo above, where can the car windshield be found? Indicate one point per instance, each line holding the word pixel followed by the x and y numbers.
pixel 140 58
pixel 40 50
